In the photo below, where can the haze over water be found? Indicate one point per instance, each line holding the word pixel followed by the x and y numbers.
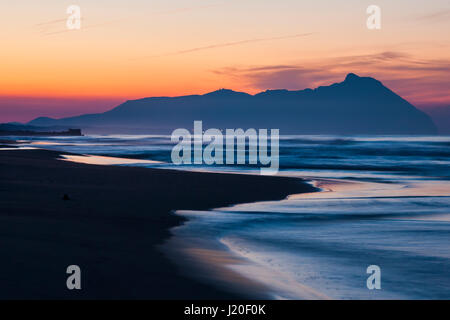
pixel 384 202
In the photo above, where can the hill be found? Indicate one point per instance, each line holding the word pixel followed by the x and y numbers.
pixel 358 105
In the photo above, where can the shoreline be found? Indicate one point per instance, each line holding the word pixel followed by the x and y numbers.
pixel 111 226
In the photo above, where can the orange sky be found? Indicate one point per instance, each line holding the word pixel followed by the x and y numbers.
pixel 133 49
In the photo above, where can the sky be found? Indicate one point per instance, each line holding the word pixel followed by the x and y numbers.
pixel 129 49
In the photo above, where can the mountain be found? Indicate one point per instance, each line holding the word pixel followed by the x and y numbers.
pixel 441 117
pixel 358 105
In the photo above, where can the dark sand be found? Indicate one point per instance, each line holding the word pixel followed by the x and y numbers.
pixel 109 227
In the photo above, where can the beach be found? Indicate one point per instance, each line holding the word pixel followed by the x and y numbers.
pixel 141 227
pixel 110 221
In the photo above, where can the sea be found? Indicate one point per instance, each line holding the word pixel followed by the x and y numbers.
pixel 383 201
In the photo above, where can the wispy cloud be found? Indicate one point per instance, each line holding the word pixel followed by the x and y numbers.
pixel 440 15
pixel 44 27
pixel 420 80
pixel 276 77
pixel 84 26
pixel 226 44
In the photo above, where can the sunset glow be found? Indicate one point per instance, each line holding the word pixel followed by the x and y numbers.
pixel 134 49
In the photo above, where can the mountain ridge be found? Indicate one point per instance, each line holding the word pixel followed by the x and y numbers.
pixel 352 106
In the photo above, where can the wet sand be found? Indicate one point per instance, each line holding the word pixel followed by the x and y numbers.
pixel 111 226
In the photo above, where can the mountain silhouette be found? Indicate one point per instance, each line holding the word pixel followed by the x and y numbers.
pixel 358 105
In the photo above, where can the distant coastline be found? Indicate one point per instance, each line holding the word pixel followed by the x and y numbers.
pixel 68 132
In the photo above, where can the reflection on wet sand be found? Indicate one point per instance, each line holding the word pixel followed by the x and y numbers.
pixel 257 241
pixel 102 160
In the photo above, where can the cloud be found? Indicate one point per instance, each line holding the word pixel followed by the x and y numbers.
pixel 442 15
pixel 227 44
pixel 277 77
pixel 83 27
pixel 418 80
pixel 44 27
